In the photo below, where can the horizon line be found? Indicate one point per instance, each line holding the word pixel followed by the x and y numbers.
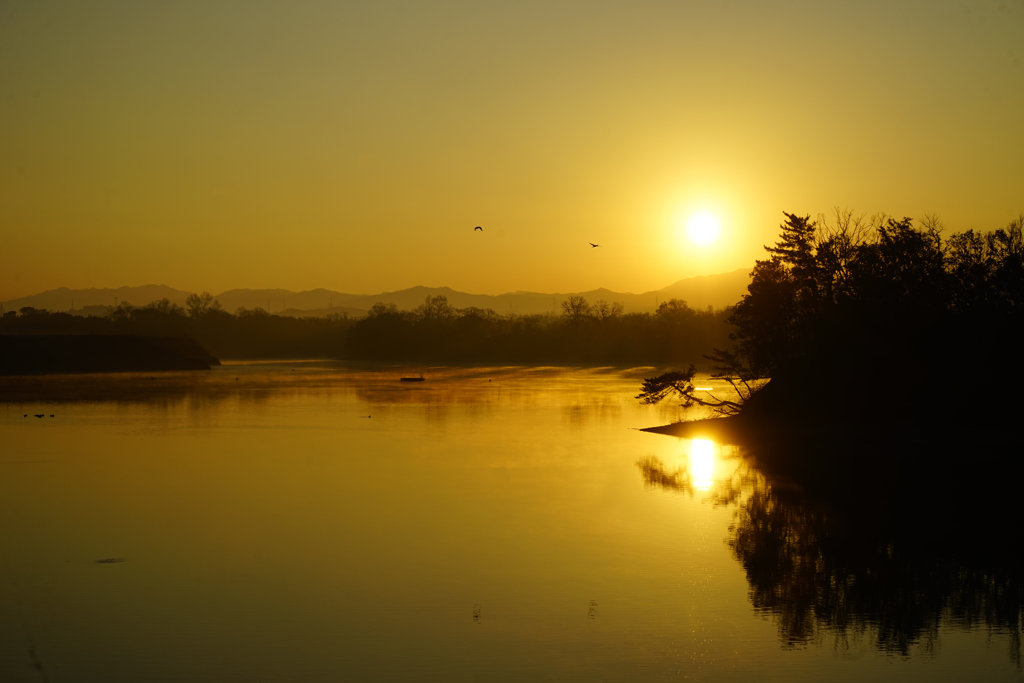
pixel 362 294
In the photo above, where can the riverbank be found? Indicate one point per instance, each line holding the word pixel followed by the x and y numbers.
pixel 845 444
pixel 40 354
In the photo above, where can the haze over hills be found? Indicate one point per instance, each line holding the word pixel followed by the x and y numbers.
pixel 64 299
pixel 718 291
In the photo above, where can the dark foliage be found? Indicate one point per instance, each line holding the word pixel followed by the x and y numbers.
pixel 725 365
pixel 246 334
pixel 882 284
pixel 893 355
pixel 24 354
pixel 836 304
pixel 435 331
pixel 869 326
pixel 585 333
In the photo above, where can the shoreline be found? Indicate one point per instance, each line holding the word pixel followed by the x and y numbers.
pixel 70 354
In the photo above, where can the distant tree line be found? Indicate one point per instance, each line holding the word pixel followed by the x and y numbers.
pixel 585 332
pixel 244 334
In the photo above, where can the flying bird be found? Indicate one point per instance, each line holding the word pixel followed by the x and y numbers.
pixel 478 228
pixel 593 245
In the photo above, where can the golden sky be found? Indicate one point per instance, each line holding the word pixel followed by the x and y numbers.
pixel 354 145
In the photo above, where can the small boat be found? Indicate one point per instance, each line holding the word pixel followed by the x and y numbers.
pixel 411 379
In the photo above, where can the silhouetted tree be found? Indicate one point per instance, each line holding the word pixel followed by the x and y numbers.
pixel 843 299
pixel 122 312
pixel 380 309
pixel 605 311
pixel 726 365
pixel 199 305
pixel 676 309
pixel 436 310
pixel 165 307
pixel 576 309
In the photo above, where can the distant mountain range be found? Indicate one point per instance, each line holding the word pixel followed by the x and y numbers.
pixel 717 291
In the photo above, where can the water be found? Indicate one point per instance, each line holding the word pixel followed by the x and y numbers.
pixel 317 522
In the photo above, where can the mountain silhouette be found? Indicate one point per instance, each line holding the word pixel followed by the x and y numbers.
pixel 61 299
pixel 720 290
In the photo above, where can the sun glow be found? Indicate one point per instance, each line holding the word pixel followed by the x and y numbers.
pixel 703 227
pixel 702 463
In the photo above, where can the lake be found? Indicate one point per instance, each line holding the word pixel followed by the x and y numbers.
pixel 322 522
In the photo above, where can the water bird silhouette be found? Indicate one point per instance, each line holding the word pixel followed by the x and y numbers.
pixel 40 415
pixel 593 245
pixel 478 228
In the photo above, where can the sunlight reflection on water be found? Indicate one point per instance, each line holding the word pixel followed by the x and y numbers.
pixel 323 521
pixel 702 463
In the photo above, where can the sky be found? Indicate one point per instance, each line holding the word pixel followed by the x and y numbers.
pixel 355 145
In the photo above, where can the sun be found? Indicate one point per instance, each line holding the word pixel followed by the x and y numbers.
pixel 703 227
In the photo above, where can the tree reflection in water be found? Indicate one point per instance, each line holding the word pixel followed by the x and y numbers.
pixel 890 574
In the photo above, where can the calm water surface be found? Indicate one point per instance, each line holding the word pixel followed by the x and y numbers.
pixel 319 522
